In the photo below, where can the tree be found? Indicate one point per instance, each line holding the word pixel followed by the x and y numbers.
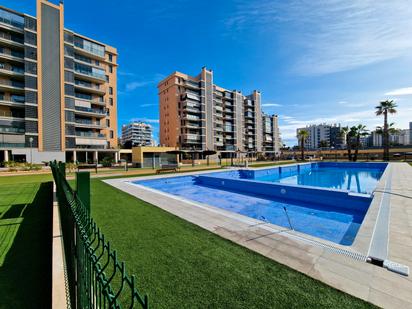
pixel 384 108
pixel 302 137
pixel 348 133
pixel 358 132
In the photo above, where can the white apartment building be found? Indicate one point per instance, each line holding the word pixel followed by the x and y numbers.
pixel 138 134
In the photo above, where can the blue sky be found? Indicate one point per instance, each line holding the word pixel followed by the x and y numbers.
pixel 313 61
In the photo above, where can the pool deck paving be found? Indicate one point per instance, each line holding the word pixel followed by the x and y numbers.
pixel 319 259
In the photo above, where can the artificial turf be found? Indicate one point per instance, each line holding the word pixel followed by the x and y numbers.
pixel 180 265
pixel 25 241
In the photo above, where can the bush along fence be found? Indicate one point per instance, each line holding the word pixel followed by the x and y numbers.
pixel 96 278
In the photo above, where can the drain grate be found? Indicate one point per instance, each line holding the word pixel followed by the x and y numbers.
pixel 354 255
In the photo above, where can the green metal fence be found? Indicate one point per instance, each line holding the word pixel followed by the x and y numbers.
pixel 96 278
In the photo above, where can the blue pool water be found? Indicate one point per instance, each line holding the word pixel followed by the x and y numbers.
pixel 334 215
pixel 350 177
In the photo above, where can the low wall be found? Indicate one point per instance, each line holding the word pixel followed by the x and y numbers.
pixel 317 196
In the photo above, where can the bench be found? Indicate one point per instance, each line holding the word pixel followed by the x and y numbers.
pixel 167 168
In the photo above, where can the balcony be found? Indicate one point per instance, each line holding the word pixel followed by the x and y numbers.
pixel 12 55
pixel 191 117
pixel 7 84
pixel 189 103
pixel 12 130
pixel 249 115
pixel 12 114
pixel 12 145
pixel 193 110
pixel 192 96
pixel 11 20
pixel 7 69
pixel 191 84
pixel 84 123
pixel 82 102
pixel 89 73
pixel 88 48
pixel 96 112
pixel 191 125
pixel 11 40
pixel 91 135
pixel 89 87
pixel 14 101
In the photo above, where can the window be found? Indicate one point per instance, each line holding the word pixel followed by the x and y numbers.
pixel 108 122
pixel 111 134
pixel 110 57
pixel 107 78
pixel 111 101
pixel 110 68
pixel 110 90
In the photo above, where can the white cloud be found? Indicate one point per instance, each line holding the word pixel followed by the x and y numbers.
pixel 147 105
pixel 351 104
pixel 148 120
pixel 400 91
pixel 336 35
pixel 271 105
pixel 133 85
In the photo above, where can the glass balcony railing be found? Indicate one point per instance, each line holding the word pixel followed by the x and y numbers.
pixel 12 83
pixel 90 110
pixel 12 53
pixel 90 134
pixel 12 145
pixel 87 85
pixel 11 114
pixel 11 130
pixel 11 38
pixel 88 122
pixel 89 47
pixel 86 70
pixel 11 19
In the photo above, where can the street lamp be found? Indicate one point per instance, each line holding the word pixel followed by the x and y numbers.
pixel 31 149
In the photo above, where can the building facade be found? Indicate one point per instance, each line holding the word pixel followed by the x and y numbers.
pixel 196 114
pixel 137 134
pixel 57 90
pixel 323 136
pixel 400 138
pixel 271 135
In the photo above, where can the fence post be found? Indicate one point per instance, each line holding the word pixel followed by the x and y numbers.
pixel 83 189
pixel 62 168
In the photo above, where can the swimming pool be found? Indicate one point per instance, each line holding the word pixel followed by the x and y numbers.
pixel 281 196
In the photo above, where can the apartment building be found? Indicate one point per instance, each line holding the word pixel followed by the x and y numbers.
pixel 196 114
pixel 400 138
pixel 137 134
pixel 323 135
pixel 271 135
pixel 57 89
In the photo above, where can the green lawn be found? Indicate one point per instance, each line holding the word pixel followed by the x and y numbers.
pixel 183 266
pixel 25 241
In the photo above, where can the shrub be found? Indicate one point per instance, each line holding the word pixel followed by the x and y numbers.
pixel 107 162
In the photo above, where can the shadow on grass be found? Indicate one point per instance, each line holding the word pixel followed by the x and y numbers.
pixel 25 276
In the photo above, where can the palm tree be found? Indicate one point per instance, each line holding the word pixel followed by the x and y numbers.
pixel 323 144
pixel 347 133
pixel 302 136
pixel 359 131
pixel 384 108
